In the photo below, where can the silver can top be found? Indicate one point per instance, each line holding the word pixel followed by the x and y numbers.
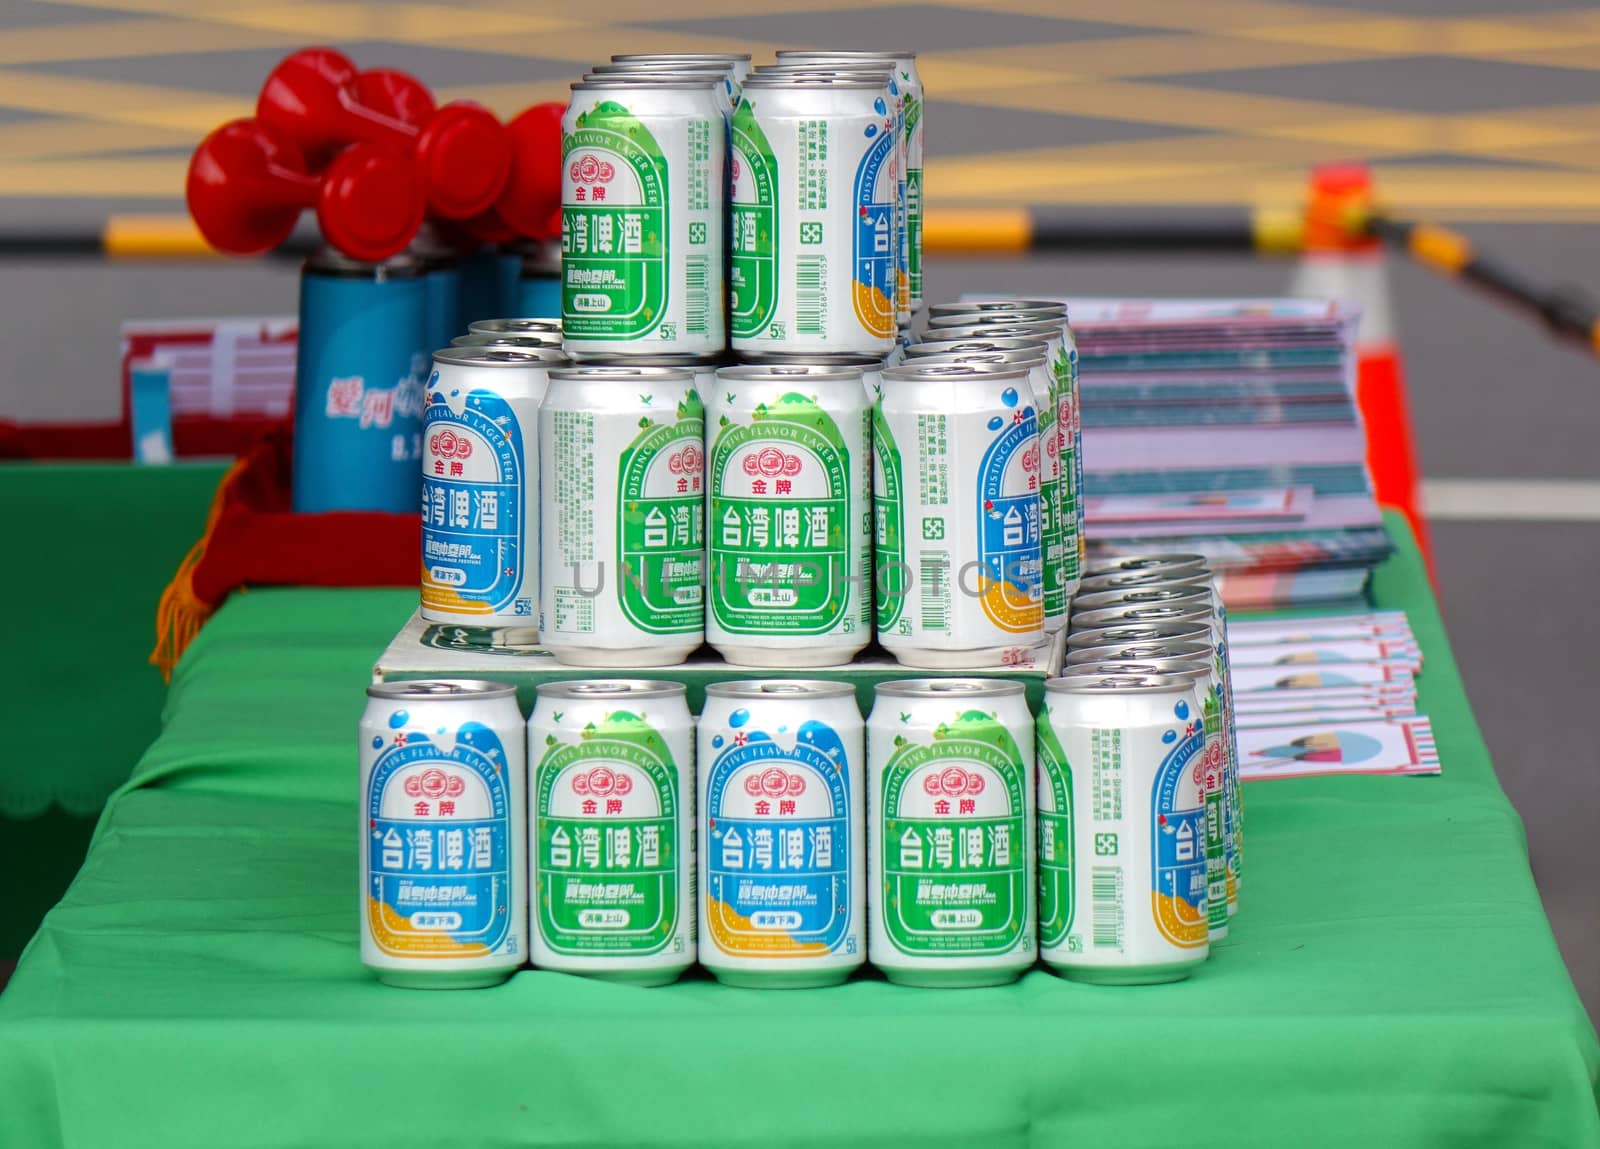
pixel 822 359
pixel 1140 596
pixel 1033 357
pixel 525 326
pixel 1179 574
pixel 949 688
pixel 611 688
pixel 1123 633
pixel 962 346
pixel 921 372
pixel 1095 683
pixel 546 339
pixel 496 355
pixel 1002 327
pixel 681 57
pixel 674 81
pixel 788 372
pixel 763 81
pixel 587 373
pixel 1175 612
pixel 691 362
pixel 1138 652
pixel 1192 669
pixel 445 689
pixel 1148 560
pixel 967 307
pixel 780 688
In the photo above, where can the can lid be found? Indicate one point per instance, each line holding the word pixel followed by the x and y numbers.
pixel 658 77
pixel 1178 574
pixel 1140 596
pixel 988 319
pixel 831 359
pixel 1121 633
pixel 788 372
pixel 1138 652
pixel 1145 560
pixel 1028 358
pixel 613 688
pixel 691 362
pixel 498 355
pixel 586 371
pixel 949 688
pixel 763 80
pixel 780 688
pixel 661 67
pixel 544 341
pixel 949 346
pixel 331 262
pixel 1096 683
pixel 1190 668
pixel 1001 306
pixel 1176 612
pixel 1002 326
pixel 923 371
pixel 622 80
pixel 518 326
pixel 872 68
pixel 441 688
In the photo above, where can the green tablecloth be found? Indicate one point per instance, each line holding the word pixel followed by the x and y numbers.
pixel 1391 980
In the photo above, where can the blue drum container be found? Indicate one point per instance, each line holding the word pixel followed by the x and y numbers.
pixel 363 358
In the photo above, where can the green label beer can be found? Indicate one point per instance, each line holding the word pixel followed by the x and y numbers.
pixel 725 88
pixel 782 833
pixel 870 366
pixel 444 829
pixel 904 64
pixel 950 840
pixel 813 220
pixel 1122 862
pixel 789 473
pixel 957 515
pixel 1201 671
pixel 642 210
pixel 737 64
pixel 622 484
pixel 1031 356
pixel 612 823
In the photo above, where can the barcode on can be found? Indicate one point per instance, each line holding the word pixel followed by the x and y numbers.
pixel 934 577
pixel 696 299
pixel 810 300
pixel 1105 907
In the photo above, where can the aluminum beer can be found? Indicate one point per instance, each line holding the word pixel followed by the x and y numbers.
pixel 1050 519
pixel 1160 575
pixel 642 209
pixel 878 67
pixel 790 476
pixel 1120 634
pixel 813 217
pixel 1146 563
pixel 611 818
pixel 871 367
pixel 480 474
pixel 911 95
pixel 1002 305
pixel 704 372
pixel 1137 652
pixel 736 63
pixel 1202 672
pixel 782 833
pixel 1196 612
pixel 1162 594
pixel 956 515
pixel 523 327
pixel 360 363
pixel 1122 864
pixel 513 342
pixel 444 830
pixel 724 89
pixel 623 493
pixel 950 841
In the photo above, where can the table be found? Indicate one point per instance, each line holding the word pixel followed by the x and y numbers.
pixel 1390 981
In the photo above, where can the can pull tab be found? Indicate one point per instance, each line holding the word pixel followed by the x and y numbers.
pixel 601 688
pixel 782 688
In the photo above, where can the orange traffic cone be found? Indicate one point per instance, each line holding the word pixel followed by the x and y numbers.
pixel 1342 263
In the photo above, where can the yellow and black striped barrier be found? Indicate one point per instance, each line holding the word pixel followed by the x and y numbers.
pixel 1031 230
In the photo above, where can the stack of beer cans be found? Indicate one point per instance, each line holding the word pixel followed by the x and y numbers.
pixel 952 839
